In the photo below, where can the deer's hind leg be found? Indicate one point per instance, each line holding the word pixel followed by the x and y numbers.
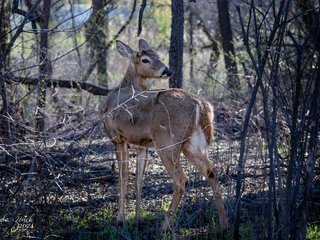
pixel 123 161
pixel 198 157
pixel 140 169
pixel 170 159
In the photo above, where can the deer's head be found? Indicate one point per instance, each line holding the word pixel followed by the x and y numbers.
pixel 146 61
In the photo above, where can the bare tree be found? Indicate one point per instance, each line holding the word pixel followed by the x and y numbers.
pixel 227 45
pixel 303 130
pixel 42 17
pixel 4 29
pixel 44 67
pixel 176 43
pixel 191 45
pixel 91 25
pixel 97 38
pixel 297 107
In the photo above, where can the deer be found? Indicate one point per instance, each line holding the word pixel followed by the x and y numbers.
pixel 173 121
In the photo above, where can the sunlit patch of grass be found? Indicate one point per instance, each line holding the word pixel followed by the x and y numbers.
pixel 313 232
pixel 165 205
pixel 90 224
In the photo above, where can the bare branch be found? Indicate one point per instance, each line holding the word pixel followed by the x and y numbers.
pixel 91 88
pixel 18 32
pixel 27 15
pixel 143 5
pixel 93 64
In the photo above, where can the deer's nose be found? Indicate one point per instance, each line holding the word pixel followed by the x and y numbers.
pixel 167 72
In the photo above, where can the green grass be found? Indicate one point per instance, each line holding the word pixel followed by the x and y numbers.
pixel 313 232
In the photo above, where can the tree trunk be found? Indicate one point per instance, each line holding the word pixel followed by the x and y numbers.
pixel 44 67
pixel 176 44
pixel 190 19
pixel 4 29
pixel 227 45
pixel 310 18
pixel 313 141
pixel 97 39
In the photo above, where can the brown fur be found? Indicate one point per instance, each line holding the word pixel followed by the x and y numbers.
pixel 164 119
pixel 206 121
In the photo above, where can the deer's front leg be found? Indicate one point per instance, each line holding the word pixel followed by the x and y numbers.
pixel 140 169
pixel 123 161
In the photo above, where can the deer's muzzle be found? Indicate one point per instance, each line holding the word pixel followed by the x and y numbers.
pixel 166 73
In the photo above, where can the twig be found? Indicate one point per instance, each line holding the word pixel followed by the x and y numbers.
pixel 28 16
pixel 18 32
pixel 259 68
pixel 143 5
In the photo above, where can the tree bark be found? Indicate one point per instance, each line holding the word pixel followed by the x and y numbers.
pixel 97 39
pixel 310 19
pixel 44 67
pixel 259 65
pixel 94 62
pixel 191 25
pixel 227 45
pixel 314 127
pixel 176 44
pixel 61 83
pixel 4 29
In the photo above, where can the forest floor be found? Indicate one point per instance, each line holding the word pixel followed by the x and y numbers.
pixel 69 190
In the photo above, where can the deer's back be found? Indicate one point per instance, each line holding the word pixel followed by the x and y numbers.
pixel 170 113
pixel 180 114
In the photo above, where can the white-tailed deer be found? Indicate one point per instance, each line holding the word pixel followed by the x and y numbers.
pixel 172 121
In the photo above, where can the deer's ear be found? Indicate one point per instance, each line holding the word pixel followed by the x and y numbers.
pixel 125 50
pixel 143 44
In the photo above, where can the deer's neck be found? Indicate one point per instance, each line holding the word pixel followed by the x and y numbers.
pixel 132 79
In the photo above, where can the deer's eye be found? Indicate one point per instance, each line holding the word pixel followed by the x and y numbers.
pixel 145 60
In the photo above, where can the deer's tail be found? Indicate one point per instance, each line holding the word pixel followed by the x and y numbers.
pixel 204 119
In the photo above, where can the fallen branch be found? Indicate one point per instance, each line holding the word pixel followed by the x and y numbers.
pixel 91 88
